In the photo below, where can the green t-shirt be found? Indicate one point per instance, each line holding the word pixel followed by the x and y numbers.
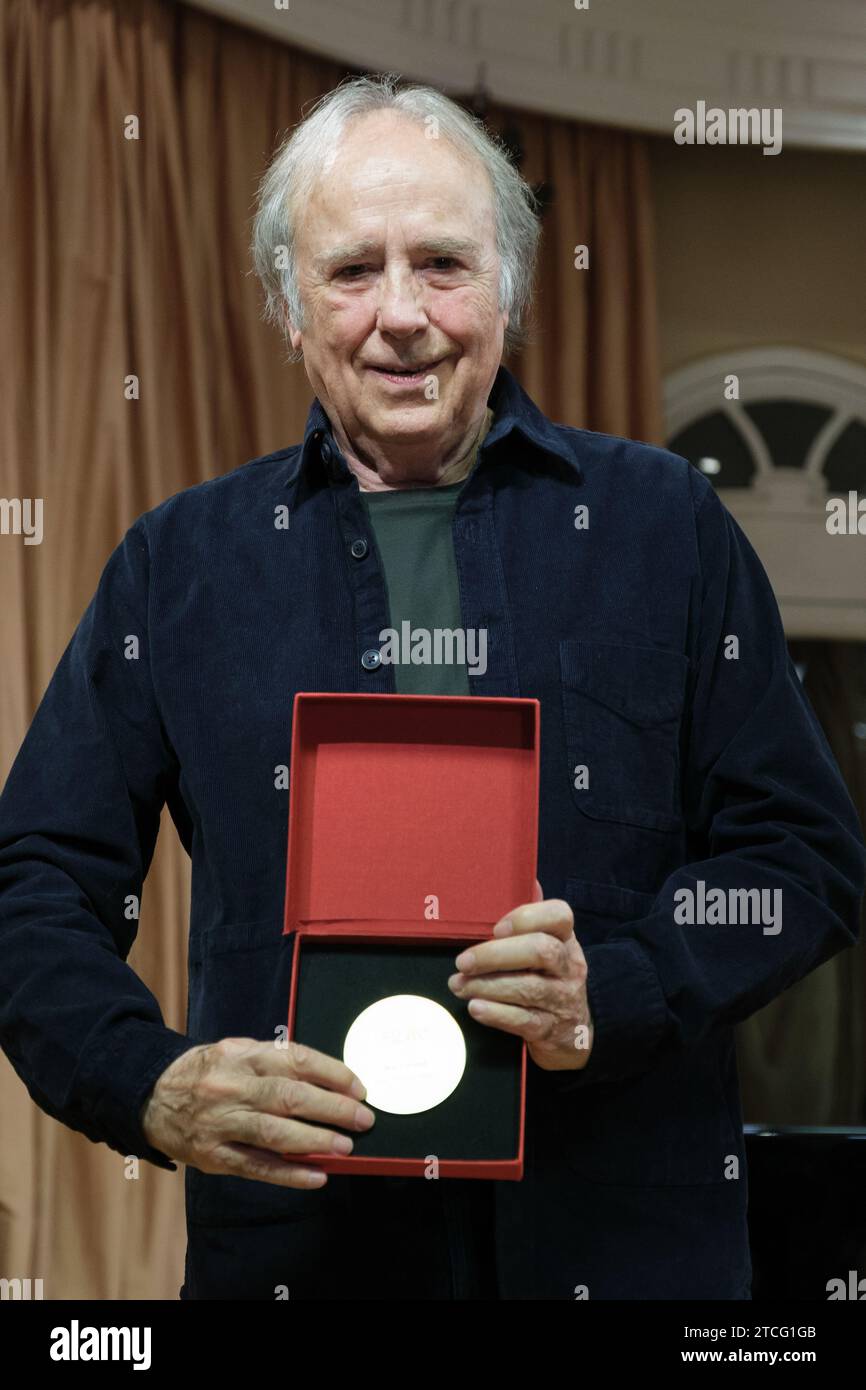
pixel 416 546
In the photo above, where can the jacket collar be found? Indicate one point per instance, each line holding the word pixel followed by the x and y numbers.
pixel 512 410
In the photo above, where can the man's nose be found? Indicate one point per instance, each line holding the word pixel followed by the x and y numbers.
pixel 401 306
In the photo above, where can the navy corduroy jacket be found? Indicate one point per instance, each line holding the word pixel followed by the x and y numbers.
pixel 616 589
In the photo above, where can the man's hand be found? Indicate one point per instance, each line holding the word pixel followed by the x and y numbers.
pixel 237 1106
pixel 531 981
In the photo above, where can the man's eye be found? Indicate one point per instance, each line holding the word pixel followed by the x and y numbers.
pixel 359 268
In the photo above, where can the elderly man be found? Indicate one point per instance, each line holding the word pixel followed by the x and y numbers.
pixel 683 774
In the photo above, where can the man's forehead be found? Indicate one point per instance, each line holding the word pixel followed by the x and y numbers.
pixel 383 183
pixel 373 153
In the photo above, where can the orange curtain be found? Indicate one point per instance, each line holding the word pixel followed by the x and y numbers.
pixel 134 364
pixel 593 359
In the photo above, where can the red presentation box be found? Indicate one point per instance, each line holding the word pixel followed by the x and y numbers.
pixel 413 828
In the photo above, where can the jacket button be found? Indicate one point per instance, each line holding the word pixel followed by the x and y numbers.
pixel 359 549
pixel 371 659
pixel 326 451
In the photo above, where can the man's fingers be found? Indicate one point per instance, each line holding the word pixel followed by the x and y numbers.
pixel 535 951
pixel 240 1161
pixel 307 1064
pixel 293 1099
pixel 276 1135
pixel 532 1025
pixel 553 915
pixel 530 990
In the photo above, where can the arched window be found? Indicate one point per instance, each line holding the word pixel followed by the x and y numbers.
pixel 791 436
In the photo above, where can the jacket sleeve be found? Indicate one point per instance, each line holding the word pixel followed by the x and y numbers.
pixel 79 816
pixel 765 807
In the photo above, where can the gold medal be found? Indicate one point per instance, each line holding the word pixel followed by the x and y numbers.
pixel 409 1052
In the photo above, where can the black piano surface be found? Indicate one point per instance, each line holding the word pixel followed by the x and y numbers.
pixel 807 1209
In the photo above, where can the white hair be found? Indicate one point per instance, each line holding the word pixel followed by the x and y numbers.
pixel 312 146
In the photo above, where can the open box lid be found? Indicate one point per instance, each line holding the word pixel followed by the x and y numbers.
pixel 417 810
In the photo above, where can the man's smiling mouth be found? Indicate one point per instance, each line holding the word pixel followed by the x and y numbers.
pixel 405 373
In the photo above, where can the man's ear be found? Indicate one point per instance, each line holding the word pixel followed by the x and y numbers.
pixel 294 334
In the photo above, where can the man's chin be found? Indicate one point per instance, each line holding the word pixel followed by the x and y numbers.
pixel 421 420
pixel 402 432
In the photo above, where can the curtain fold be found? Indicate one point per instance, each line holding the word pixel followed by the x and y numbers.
pixel 133 364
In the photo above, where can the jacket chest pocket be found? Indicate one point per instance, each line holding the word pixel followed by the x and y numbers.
pixel 622 707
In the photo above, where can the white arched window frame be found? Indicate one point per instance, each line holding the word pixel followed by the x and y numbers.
pixel 819 579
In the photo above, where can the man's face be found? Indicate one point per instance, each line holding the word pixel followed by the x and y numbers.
pixel 398 267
